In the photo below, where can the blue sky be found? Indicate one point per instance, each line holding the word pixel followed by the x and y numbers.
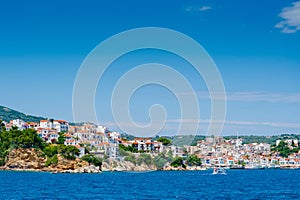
pixel 255 45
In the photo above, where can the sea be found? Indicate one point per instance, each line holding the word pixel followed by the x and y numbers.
pixel 237 184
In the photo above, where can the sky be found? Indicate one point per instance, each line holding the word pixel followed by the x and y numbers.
pixel 255 45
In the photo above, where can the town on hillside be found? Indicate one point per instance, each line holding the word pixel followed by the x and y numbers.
pixel 231 153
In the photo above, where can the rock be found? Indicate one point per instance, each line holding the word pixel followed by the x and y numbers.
pixel 24 159
pixel 29 160
pixel 122 165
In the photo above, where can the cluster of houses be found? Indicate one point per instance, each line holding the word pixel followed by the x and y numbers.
pixel 213 152
pixel 94 137
pixel 97 139
pixel 233 153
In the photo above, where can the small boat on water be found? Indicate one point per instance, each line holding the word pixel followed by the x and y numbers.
pixel 219 170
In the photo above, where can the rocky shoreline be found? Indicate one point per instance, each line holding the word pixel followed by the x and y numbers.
pixel 31 160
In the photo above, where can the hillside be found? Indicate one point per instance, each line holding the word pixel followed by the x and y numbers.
pixel 8 114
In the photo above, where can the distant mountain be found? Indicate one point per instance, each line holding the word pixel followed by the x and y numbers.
pixel 8 114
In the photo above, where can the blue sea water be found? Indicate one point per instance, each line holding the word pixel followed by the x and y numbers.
pixel 237 184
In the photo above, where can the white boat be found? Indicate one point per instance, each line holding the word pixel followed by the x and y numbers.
pixel 219 170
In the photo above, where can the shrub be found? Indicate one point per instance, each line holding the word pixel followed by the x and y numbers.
pixel 159 161
pixel 50 150
pixel 68 152
pixel 51 161
pixel 144 158
pixel 164 140
pixel 193 160
pixel 91 159
pixel 130 158
pixel 177 162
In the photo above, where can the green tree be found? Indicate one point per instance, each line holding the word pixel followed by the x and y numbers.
pixel 240 162
pixel 128 148
pixel 178 162
pixel 283 149
pixel 61 138
pixel 52 161
pixel 51 150
pixel 68 152
pixel 91 159
pixel 165 141
pixel 193 160
pixel 1 125
pixel 15 138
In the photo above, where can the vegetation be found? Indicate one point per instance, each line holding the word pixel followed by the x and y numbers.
pixel 178 162
pixel 165 141
pixel 52 161
pixel 144 158
pixel 284 150
pixel 68 152
pixel 161 159
pixel 91 159
pixel 242 163
pixel 130 158
pixel 123 153
pixel 159 162
pixel 14 139
pixel 129 148
pixel 191 140
pixel 181 140
pixel 61 138
pixel 127 136
pixel 7 114
pixel 193 160
pixel 50 150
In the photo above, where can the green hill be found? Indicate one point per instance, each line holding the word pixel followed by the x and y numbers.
pixel 8 114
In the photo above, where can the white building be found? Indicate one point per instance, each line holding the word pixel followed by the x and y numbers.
pixel 18 123
pixel 61 125
pixel 58 125
pixel 46 124
pixel 101 129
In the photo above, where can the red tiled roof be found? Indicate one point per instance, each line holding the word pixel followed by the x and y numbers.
pixel 60 121
pixel 142 138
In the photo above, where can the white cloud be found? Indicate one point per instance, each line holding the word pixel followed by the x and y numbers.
pixel 232 122
pixel 204 8
pixel 252 96
pixel 290 19
pixel 264 97
pixel 197 8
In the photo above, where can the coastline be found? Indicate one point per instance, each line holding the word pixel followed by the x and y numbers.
pixel 131 171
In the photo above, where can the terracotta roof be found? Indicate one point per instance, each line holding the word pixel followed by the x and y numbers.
pixel 142 138
pixel 103 143
pixel 60 121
